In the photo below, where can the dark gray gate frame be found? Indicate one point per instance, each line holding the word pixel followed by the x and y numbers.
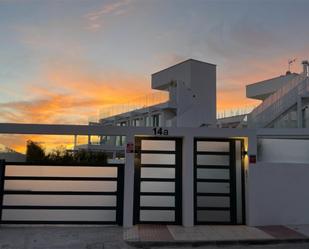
pixel 178 180
pixel 232 180
pixel 119 194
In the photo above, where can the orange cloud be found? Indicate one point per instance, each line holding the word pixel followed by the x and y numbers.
pixel 73 92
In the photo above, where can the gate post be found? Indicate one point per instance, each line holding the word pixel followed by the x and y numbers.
pixel 188 182
pixel 2 175
pixel 128 193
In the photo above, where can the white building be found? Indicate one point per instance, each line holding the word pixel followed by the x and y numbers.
pixel 191 87
pixel 284 101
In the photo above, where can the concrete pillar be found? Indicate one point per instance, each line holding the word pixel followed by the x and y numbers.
pixel 128 186
pixel 299 113
pixel 188 182
pixel 249 196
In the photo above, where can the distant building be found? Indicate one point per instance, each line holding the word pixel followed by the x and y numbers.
pixel 12 156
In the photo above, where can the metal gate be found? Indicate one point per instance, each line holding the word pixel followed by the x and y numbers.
pixel 66 194
pixel 219 177
pixel 157 190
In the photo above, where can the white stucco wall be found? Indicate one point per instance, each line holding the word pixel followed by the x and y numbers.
pixel 196 99
pixel 195 91
pixel 278 194
pixel 261 90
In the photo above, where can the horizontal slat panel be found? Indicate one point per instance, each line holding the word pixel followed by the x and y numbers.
pixel 59 207
pixel 157 215
pixel 58 222
pixel 24 192
pixel 213 201
pixel 213 146
pixel 57 178
pixel 212 187
pixel 212 173
pixel 157 187
pixel 56 200
pixel 63 215
pixel 213 216
pixel 60 185
pixel 40 170
pixel 153 201
pixel 168 159
pixel 157 172
pixel 164 145
pixel 219 160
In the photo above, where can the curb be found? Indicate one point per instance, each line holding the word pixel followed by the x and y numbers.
pixel 147 244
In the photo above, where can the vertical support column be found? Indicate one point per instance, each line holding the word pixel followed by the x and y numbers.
pixel 120 194
pixel 299 113
pixel 188 182
pixel 128 185
pixel 75 141
pixel 250 198
pixel 89 140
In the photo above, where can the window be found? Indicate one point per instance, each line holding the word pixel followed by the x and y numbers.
pixel 147 121
pixel 136 122
pixel 156 120
pixel 120 140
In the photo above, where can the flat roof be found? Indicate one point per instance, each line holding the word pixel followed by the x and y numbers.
pixel 182 63
pixel 278 77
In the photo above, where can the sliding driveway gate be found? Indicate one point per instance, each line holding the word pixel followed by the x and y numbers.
pixel 70 194
pixel 219 177
pixel 158 180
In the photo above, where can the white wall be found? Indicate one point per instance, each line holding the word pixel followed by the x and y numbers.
pixel 261 90
pixel 278 194
pixel 196 99
pixel 195 91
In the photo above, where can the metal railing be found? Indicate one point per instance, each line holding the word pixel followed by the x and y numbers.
pixel 279 102
pixel 226 113
pixel 135 104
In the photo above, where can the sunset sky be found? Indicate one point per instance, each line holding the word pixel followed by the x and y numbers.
pixel 61 61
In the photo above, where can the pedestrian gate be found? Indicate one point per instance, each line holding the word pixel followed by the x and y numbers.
pixel 157 187
pixel 219 178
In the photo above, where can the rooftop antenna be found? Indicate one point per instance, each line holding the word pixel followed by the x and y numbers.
pixel 290 62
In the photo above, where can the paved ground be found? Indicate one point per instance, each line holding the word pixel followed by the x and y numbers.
pixel 213 233
pixel 277 246
pixel 62 238
pixel 89 237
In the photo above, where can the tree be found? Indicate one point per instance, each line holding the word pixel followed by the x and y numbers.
pixel 35 153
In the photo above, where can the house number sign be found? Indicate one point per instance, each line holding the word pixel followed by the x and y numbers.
pixel 160 131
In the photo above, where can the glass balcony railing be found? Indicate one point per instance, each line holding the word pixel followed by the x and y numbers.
pixel 279 102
